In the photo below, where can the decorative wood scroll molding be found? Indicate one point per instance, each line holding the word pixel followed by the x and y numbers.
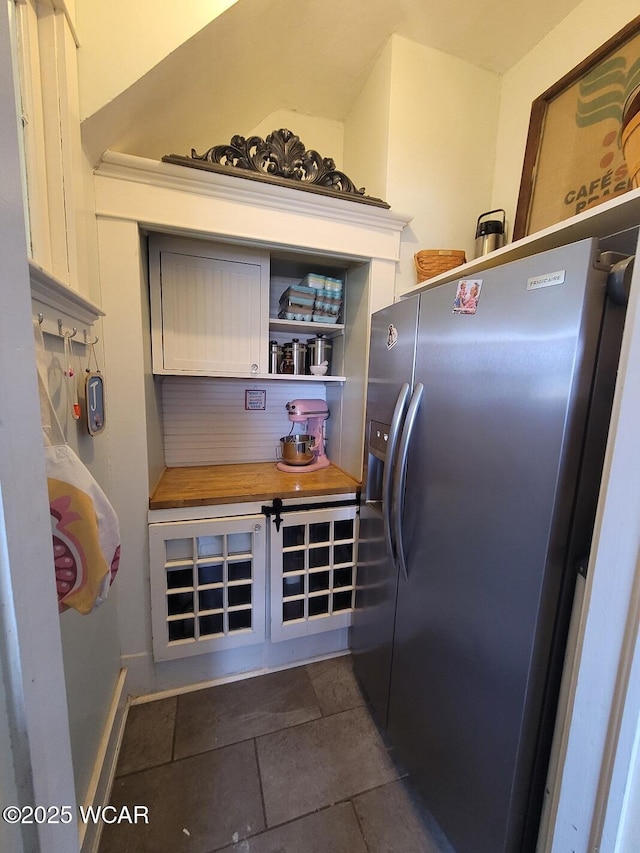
pixel 281 159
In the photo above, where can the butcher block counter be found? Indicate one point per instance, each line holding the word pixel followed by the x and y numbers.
pixel 205 485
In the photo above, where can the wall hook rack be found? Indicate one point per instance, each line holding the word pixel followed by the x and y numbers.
pixel 64 334
pixel 51 325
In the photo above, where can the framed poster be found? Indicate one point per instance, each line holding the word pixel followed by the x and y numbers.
pixel 573 159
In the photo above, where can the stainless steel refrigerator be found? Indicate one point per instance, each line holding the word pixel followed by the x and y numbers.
pixel 487 413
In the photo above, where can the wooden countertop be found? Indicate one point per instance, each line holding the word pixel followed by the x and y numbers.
pixel 256 481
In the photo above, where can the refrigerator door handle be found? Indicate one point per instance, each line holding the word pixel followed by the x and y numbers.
pixel 400 476
pixel 387 476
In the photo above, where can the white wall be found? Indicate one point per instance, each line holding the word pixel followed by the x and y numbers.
pixel 64 205
pixel 121 272
pixel 139 36
pixel 206 422
pixel 581 32
pixel 36 767
pixel 622 821
pixel 366 130
pixel 326 136
pixel 424 126
pixel 90 644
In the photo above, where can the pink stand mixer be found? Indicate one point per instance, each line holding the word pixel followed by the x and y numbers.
pixel 303 452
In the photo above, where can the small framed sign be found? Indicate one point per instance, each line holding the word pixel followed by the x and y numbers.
pixel 94 402
pixel 255 400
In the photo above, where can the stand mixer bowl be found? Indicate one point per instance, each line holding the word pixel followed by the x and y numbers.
pixel 297 449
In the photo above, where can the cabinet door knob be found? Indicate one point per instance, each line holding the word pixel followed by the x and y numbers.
pixel 257 528
pixel 254 368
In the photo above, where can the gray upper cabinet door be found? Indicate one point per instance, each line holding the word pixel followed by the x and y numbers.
pixel 209 309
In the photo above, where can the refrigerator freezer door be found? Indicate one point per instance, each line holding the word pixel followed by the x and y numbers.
pixel 491 480
pixel 391 356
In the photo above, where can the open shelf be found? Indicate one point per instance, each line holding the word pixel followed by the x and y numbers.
pixel 292 326
pixel 300 377
pixel 607 219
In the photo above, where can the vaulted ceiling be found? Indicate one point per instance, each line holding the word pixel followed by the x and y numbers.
pixel 311 56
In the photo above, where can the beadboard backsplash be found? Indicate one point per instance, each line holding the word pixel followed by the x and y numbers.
pixel 206 423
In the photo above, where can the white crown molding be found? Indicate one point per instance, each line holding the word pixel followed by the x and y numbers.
pixel 128 167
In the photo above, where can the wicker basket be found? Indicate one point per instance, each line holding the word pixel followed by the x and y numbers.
pixel 431 262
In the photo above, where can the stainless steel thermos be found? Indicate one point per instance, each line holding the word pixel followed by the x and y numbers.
pixel 489 232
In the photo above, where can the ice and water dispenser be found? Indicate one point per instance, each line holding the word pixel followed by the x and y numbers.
pixel 376 458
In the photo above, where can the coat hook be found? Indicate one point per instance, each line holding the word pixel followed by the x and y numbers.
pixel 87 341
pixel 66 334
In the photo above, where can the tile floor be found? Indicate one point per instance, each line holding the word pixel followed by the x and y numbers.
pixel 288 762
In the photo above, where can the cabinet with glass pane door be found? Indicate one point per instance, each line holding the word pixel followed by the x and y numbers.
pixel 313 556
pixel 207 584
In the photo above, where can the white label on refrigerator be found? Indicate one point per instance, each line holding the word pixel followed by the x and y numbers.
pixel 547 280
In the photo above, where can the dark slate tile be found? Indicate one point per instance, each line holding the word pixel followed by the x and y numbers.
pixel 195 805
pixel 217 716
pixel 335 685
pixel 393 821
pixel 148 736
pixel 320 763
pixel 333 830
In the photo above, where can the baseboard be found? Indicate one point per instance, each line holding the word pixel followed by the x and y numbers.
pixel 147 677
pixel 228 679
pixel 104 767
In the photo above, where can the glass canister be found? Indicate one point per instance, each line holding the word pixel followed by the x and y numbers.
pixel 286 363
pixel 295 353
pixel 318 351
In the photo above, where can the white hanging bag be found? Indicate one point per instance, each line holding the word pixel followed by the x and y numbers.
pixel 84 525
